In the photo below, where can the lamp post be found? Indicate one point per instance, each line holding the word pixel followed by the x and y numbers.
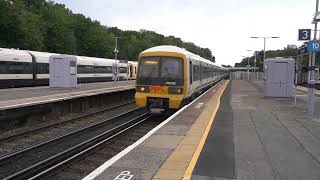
pixel 116 77
pixel 264 43
pixel 247 65
pixel 255 58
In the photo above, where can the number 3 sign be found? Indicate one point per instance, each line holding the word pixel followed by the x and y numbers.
pixel 304 34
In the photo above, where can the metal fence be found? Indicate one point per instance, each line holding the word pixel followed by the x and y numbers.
pixel 242 75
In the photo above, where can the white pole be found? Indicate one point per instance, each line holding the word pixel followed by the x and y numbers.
pixel 115 61
pixel 255 64
pixel 311 83
pixel 264 49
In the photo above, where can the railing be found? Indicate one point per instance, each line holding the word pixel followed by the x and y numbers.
pixel 242 75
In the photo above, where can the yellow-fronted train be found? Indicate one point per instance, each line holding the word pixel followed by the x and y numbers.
pixel 169 76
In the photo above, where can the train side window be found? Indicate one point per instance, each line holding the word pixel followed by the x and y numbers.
pixel 18 68
pixel 109 69
pixel 195 72
pixel 4 66
pixel 123 69
pixel 42 68
pixel 85 69
pixel 190 72
pixel 28 68
pixel 79 69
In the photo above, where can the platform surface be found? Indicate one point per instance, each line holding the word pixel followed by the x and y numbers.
pixel 247 137
pixel 145 160
pixel 16 97
pixel 254 137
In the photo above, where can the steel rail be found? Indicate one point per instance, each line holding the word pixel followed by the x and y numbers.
pixel 21 151
pixel 59 159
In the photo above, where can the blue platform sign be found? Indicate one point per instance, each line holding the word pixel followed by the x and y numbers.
pixel 313 46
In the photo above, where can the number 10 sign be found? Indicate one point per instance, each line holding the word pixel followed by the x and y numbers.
pixel 313 46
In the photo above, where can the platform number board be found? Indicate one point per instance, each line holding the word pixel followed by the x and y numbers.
pixel 313 46
pixel 304 34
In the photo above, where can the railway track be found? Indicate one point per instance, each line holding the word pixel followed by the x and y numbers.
pixel 34 160
pixel 10 144
pixel 87 162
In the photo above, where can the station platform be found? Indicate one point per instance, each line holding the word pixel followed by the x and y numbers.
pixel 301 88
pixel 21 97
pixel 230 132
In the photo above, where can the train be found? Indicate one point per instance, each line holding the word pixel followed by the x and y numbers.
pixel 31 68
pixel 169 77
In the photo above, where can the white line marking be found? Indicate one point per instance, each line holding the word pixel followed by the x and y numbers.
pixel 299 95
pixel 124 175
pixel 114 159
pixel 67 96
pixel 198 106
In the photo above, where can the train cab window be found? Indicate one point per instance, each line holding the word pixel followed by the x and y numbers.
pixel 171 68
pixel 150 67
pixel 160 71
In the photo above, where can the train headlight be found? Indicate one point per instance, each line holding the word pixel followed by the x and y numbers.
pixel 144 89
pixel 175 90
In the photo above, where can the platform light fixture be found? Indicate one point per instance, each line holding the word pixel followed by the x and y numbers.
pixel 264 43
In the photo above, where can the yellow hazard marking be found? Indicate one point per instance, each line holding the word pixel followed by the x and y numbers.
pixel 182 160
pixel 193 162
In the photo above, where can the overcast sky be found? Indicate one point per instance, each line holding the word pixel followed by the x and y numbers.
pixel 224 26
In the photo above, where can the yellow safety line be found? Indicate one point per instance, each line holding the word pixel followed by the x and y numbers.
pixel 192 164
pixel 304 89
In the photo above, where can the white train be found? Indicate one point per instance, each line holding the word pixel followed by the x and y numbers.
pixel 31 68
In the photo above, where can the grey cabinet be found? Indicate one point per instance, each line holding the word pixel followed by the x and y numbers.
pixel 279 77
pixel 62 71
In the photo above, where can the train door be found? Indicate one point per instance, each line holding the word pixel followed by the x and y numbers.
pixel 115 70
pixel 200 72
pixel 34 69
pixel 190 73
pixel 131 71
pixel 192 79
pixel 134 72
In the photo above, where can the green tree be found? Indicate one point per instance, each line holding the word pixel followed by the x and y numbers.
pixel 44 25
pixel 19 28
pixel 98 42
pixel 288 51
pixel 59 35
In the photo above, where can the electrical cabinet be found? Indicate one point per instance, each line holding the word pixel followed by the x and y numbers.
pixel 62 71
pixel 279 77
